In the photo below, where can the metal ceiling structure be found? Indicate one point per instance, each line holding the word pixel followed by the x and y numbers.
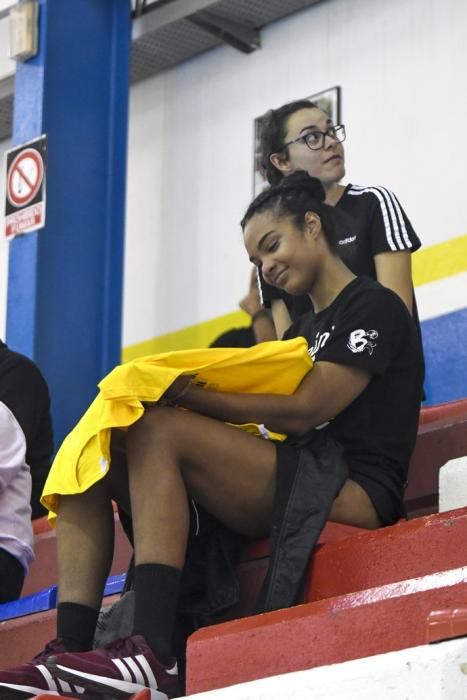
pixel 167 32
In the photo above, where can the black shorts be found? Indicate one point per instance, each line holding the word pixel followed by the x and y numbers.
pixel 384 492
pixel 382 486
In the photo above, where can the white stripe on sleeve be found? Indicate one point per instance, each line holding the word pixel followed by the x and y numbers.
pixel 391 212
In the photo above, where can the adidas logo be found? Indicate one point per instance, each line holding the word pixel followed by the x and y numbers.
pixel 56 685
pixel 135 669
pixel 346 241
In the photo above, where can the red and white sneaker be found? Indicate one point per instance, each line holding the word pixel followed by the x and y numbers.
pixel 33 678
pixel 118 669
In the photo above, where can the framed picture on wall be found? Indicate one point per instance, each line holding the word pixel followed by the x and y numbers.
pixel 328 100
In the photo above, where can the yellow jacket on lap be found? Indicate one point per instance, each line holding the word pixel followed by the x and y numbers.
pixel 275 367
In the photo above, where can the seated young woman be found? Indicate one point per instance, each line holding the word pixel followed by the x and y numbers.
pixel 363 393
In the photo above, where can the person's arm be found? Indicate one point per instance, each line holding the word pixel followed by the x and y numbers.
pixel 394 271
pixel 269 297
pixel 356 343
pixel 263 327
pixel 261 323
pixel 392 240
pixel 12 447
pixel 24 391
pixel 323 394
pixel 280 316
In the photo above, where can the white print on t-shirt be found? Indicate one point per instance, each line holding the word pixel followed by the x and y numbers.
pixel 345 241
pixel 320 341
pixel 360 340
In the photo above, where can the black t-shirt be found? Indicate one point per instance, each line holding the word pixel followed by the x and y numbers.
pixel 368 326
pixel 376 224
pixel 24 390
pixel 380 225
pixel 235 338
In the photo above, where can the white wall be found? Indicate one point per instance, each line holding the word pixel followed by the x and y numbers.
pixel 400 65
pixel 7 65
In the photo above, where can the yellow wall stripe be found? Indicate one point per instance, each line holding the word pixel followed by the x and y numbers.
pixel 429 265
pixel 198 336
pixel 440 261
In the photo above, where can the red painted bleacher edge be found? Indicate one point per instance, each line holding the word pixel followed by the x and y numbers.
pixel 316 634
pixel 441 411
pixel 364 595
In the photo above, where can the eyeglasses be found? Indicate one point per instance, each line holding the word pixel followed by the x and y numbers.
pixel 316 139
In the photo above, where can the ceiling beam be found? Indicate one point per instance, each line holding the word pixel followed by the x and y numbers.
pixel 167 13
pixel 238 35
pixel 5 6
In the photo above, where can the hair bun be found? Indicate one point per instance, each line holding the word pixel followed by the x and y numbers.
pixel 301 181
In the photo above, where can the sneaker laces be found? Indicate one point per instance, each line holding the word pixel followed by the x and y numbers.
pixel 56 645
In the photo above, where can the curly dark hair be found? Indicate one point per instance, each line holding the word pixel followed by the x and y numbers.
pixel 271 132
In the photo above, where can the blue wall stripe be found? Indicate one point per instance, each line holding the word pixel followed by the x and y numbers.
pixel 65 281
pixel 445 346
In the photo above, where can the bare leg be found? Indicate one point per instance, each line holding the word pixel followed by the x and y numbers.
pixel 85 534
pixel 354 507
pixel 173 454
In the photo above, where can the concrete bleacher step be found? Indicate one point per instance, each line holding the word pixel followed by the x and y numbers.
pixel 360 584
pixel 407 550
pixel 425 672
pixel 442 411
pixel 352 626
pixel 361 559
pixel 363 595
pixel 47 599
pixel 24 637
pixel 442 435
pixel 254 563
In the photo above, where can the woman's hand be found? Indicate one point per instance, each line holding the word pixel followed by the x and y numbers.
pixel 262 325
pixel 251 303
pixel 176 390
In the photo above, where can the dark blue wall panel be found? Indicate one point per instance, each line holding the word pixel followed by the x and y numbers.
pixel 445 345
pixel 65 281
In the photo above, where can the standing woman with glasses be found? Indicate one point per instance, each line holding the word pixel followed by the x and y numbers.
pixel 376 238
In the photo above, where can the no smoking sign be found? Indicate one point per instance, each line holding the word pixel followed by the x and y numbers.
pixel 25 187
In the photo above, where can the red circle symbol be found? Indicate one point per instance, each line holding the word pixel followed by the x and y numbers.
pixel 25 176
